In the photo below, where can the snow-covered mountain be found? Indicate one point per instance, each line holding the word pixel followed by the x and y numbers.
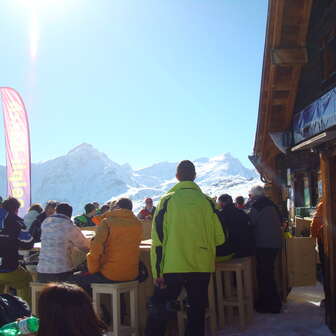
pixel 85 174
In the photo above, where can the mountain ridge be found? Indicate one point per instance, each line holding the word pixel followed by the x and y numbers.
pixel 85 174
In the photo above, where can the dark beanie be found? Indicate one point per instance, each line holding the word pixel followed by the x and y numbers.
pixel 89 207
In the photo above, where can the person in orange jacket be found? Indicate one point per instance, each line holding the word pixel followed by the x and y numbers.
pixel 114 252
pixel 316 231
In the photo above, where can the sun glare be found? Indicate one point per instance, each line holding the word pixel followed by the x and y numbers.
pixel 34 36
pixel 35 9
pixel 39 4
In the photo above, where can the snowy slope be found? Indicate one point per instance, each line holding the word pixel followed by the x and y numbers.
pixel 218 175
pixel 85 174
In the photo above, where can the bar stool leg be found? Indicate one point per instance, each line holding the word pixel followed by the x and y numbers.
pixel 249 290
pixel 228 293
pixel 240 295
pixel 220 297
pixel 34 300
pixel 134 310
pixel 96 301
pixel 116 312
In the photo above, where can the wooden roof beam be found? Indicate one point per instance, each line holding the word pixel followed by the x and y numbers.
pixel 289 56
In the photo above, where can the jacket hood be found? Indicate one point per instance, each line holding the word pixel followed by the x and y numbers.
pixel 3 216
pixel 60 216
pixel 119 213
pixel 185 185
pixel 260 202
pixel 229 207
pixel 50 221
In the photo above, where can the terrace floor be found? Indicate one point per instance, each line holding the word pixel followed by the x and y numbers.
pixel 302 316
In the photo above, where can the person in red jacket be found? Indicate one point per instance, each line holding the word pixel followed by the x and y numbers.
pixel 316 231
pixel 148 212
pixel 240 202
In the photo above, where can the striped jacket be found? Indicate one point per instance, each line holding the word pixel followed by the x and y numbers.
pixel 13 236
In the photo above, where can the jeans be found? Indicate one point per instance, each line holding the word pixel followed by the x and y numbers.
pixel 321 255
pixel 269 298
pixel 162 302
pixel 56 277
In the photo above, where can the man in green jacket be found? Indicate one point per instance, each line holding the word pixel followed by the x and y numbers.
pixel 85 220
pixel 185 233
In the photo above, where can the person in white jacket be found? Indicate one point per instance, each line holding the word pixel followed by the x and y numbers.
pixel 32 214
pixel 59 237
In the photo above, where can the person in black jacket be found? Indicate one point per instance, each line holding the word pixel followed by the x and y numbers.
pixel 13 236
pixel 267 221
pixel 35 229
pixel 236 224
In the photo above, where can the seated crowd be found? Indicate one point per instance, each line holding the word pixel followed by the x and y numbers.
pixel 190 233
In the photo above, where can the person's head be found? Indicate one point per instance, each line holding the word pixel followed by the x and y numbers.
pixel 90 210
pixel 64 209
pixel 240 201
pixel 36 207
pixel 224 200
pixel 104 208
pixel 65 309
pixel 185 171
pixel 50 208
pixel 113 205
pixel 1 202
pixel 12 205
pixel 257 191
pixel 124 203
pixel 96 204
pixel 149 203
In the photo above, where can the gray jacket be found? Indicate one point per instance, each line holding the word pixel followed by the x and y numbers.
pixel 266 219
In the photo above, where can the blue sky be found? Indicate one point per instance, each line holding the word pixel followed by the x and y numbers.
pixel 142 80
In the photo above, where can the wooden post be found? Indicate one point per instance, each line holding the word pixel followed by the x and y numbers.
pixel 328 175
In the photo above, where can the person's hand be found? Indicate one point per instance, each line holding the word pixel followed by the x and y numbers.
pixel 160 282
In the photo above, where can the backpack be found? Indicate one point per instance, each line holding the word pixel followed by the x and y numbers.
pixel 12 308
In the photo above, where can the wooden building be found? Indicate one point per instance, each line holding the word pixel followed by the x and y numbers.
pixel 295 144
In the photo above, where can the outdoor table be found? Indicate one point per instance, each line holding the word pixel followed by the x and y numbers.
pixel 87 234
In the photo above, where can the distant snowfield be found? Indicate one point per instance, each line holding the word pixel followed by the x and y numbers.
pixel 234 186
pixel 87 175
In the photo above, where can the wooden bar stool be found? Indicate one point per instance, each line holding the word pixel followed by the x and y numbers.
pixel 210 313
pixel 115 290
pixel 36 289
pixel 228 296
